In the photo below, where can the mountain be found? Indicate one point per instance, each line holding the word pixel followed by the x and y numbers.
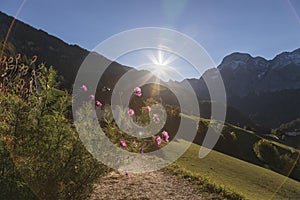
pixel 265 91
pixel 261 93
pixel 49 49
pixel 243 74
pixel 66 59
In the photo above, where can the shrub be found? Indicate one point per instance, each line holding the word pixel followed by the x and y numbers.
pixel 285 164
pixel 267 152
pixel 42 141
pixel 12 186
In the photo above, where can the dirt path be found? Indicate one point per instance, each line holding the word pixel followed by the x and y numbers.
pixel 153 185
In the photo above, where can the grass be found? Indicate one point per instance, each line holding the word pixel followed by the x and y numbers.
pixel 242 147
pixel 203 186
pixel 233 178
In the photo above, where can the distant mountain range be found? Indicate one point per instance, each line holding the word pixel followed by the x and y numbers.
pixel 261 93
pixel 266 91
pixel 243 74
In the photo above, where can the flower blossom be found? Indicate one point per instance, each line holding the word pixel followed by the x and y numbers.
pixel 92 97
pixel 98 103
pixel 165 136
pixel 148 108
pixel 123 143
pixel 158 140
pixel 137 91
pixel 84 88
pixel 130 112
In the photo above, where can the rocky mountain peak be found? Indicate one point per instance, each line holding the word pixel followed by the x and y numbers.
pixel 236 61
pixel 286 58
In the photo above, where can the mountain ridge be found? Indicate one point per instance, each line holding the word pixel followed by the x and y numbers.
pixel 257 74
pixel 243 74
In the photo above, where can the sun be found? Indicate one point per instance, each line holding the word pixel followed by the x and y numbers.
pixel 162 58
pixel 161 62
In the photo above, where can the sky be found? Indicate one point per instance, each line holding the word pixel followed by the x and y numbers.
pixel 258 27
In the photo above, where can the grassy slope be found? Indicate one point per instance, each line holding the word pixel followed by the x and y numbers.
pixel 245 139
pixel 251 181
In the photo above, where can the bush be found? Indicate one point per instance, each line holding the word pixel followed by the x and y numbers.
pixel 267 153
pixel 285 164
pixel 12 186
pixel 41 139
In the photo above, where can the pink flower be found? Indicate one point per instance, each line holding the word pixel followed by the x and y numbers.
pixel 130 112
pixel 84 88
pixel 123 143
pixel 148 108
pixel 98 103
pixel 158 140
pixel 165 136
pixel 92 97
pixel 137 91
pixel 155 118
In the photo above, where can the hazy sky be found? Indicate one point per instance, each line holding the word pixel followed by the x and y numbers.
pixel 259 27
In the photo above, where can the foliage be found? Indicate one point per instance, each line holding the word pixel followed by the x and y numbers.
pixel 269 109
pixel 288 127
pixel 266 152
pixel 269 154
pixel 12 186
pixel 115 133
pixel 41 139
pixel 8 48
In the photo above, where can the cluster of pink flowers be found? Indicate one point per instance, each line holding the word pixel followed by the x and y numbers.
pixel 138 92
pixel 165 137
pixel 92 97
